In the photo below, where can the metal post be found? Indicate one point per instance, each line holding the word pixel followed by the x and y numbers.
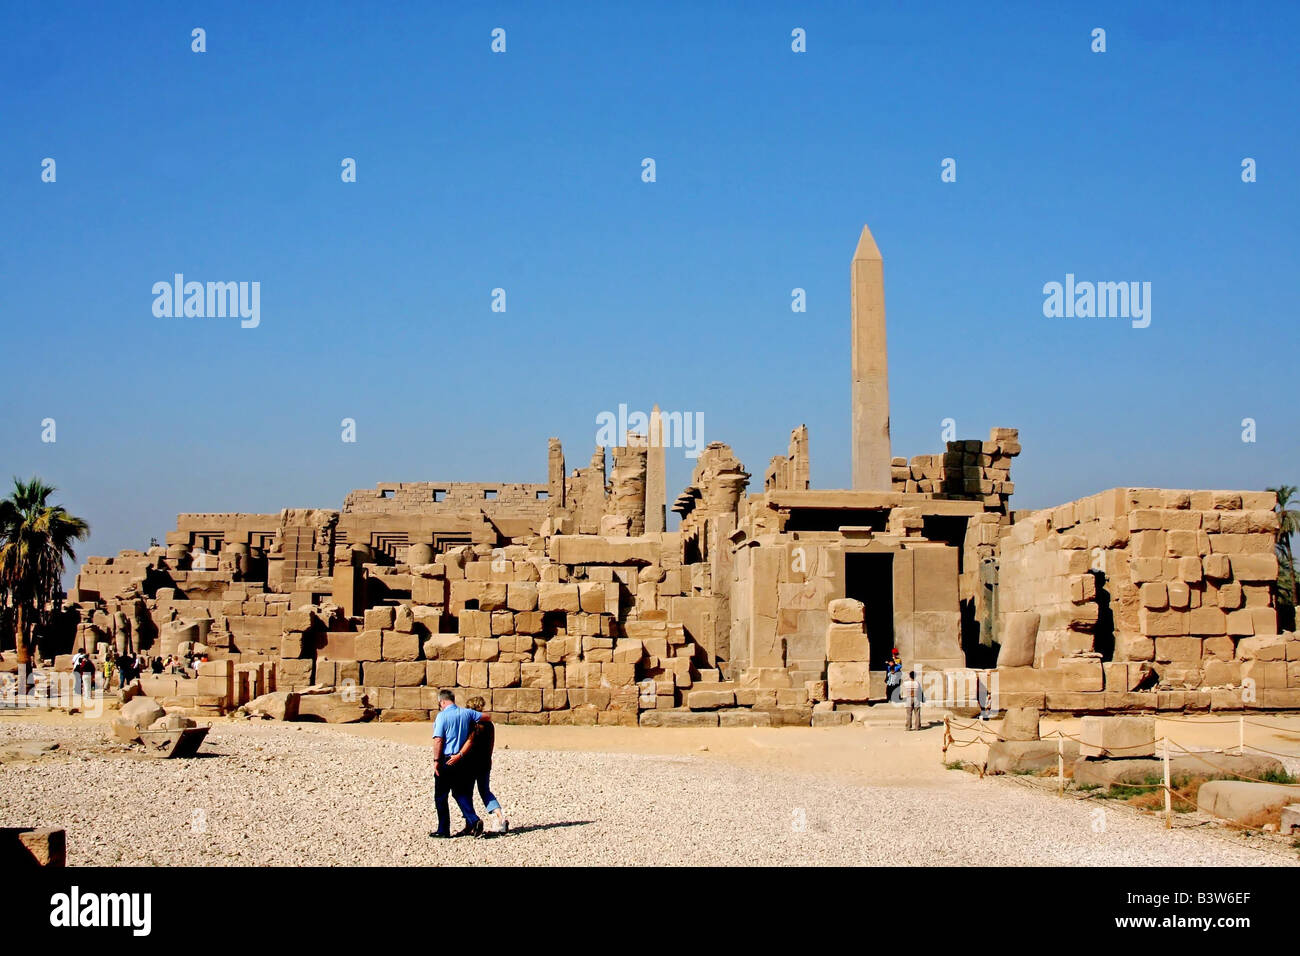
pixel 1241 735
pixel 1060 766
pixel 1168 804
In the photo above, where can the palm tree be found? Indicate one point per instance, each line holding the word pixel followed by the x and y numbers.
pixel 1288 588
pixel 35 539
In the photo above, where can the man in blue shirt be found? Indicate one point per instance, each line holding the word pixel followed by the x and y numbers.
pixel 450 733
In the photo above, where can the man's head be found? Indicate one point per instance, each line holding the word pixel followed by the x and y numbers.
pixel 912 675
pixel 476 703
pixel 446 699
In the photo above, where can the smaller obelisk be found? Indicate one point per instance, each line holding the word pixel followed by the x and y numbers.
pixel 656 481
pixel 871 452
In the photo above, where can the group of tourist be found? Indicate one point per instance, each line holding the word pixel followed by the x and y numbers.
pixel 126 667
pixel 906 692
pixel 463 739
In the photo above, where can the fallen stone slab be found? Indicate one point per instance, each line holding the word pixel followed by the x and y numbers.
pixel 278 705
pixel 141 711
pixel 26 750
pixel 1028 756
pixel 1104 773
pixel 743 717
pixel 678 718
pixel 1123 736
pixel 29 847
pixel 1239 799
pixel 833 718
pixel 336 708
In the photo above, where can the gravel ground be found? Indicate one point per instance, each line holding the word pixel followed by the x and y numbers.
pixel 293 795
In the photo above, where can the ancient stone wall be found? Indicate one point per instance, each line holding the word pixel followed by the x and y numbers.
pixel 1140 592
pixel 970 470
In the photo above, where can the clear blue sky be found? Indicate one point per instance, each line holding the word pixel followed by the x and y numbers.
pixel 523 171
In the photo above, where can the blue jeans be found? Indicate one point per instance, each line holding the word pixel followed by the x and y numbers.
pixel 485 794
pixel 454 781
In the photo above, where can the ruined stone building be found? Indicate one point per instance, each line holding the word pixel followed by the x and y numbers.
pixel 773 602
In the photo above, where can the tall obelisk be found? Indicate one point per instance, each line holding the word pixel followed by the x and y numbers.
pixel 871 454
pixel 656 479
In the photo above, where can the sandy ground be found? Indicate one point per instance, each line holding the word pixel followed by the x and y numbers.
pixel 865 794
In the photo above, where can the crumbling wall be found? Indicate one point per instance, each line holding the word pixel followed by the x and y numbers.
pixel 1145 597
pixel 970 469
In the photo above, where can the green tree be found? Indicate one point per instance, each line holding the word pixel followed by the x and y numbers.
pixel 1288 588
pixel 36 538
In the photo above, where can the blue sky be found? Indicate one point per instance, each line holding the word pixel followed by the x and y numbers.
pixel 523 171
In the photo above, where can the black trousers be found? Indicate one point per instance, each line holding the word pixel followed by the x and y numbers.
pixel 459 784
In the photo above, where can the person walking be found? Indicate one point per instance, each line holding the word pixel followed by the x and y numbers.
pixel 911 693
pixel 477 760
pixel 450 733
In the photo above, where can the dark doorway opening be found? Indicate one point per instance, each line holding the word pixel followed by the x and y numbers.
pixel 832 519
pixel 870 579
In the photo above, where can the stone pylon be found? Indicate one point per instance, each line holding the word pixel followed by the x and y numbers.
pixel 871 450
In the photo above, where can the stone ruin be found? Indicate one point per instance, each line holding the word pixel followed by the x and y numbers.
pixel 567 602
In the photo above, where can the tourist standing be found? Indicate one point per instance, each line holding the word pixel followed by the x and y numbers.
pixel 911 692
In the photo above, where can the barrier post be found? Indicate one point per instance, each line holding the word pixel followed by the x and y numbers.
pixel 1241 735
pixel 1060 766
pixel 1169 822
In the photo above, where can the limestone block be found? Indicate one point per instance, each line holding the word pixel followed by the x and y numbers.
pixel 558 597
pixel 473 624
pixel 1163 623
pixel 1265 674
pixel 1019 635
pixel 1241 799
pixel 439 673
pixel 397 646
pixel 522 596
pixel 379 618
pixel 847 681
pixel 1154 595
pixel 503 674
pixel 1178 649
pixel 482 649
pixel 847 611
pixel 1252 568
pixel 1123 736
pixel 1218 673
pixel 1081 675
pixel 1020 723
pixel 472 674
pixel 1264 648
pixel 444 647
pixel 405 674
pixel 710 699
pixel 380 673
pixel 847 642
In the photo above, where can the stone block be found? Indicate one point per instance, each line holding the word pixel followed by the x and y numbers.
pixel 847 681
pixel 379 618
pixel 847 642
pixel 368 646
pixel 846 611
pixel 440 673
pixel 517 699
pixel 1124 736
pixel 398 646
